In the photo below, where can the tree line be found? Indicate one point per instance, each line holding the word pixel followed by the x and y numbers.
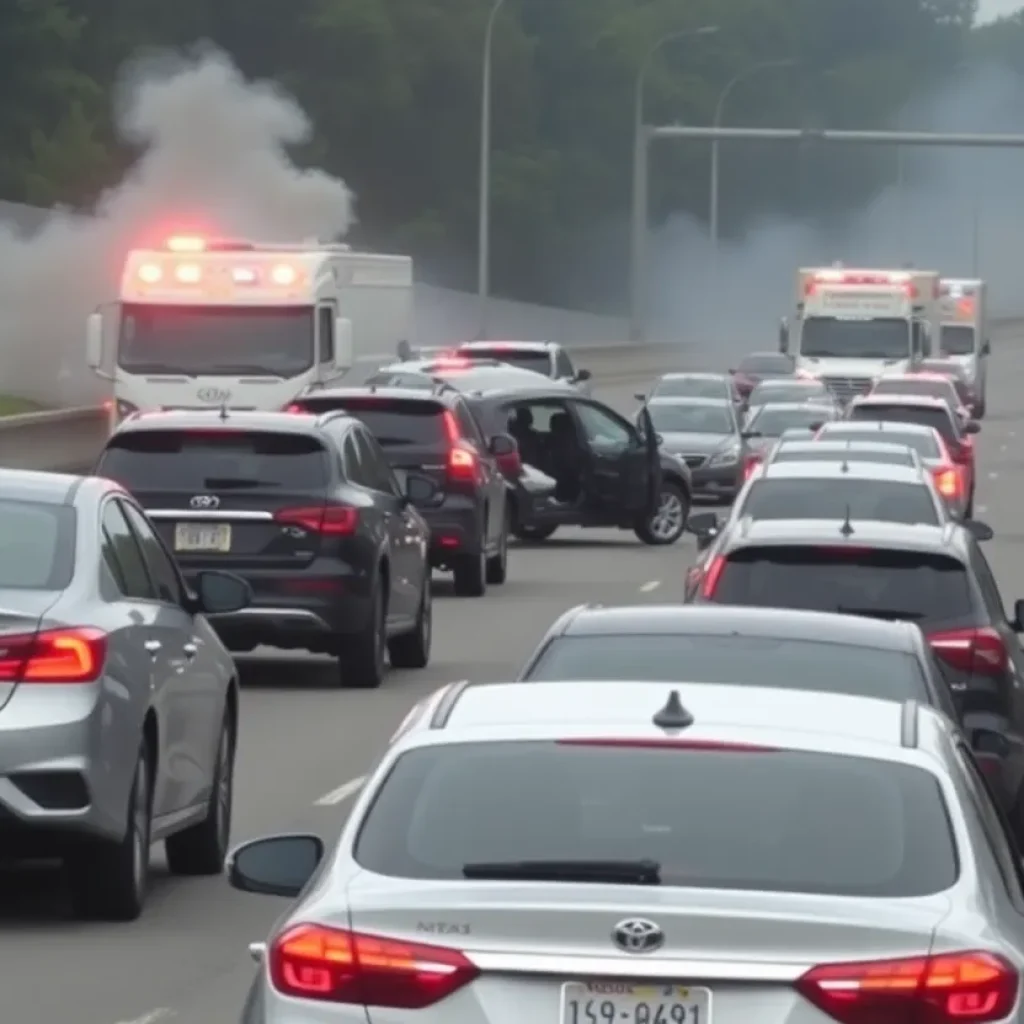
pixel 393 87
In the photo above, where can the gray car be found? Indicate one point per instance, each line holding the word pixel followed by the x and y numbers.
pixel 118 704
pixel 630 852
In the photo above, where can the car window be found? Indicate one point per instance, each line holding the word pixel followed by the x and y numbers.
pixel 325 327
pixel 784 821
pixel 925 444
pixel 126 563
pixel 604 431
pixel 374 464
pixel 916 386
pixel 987 582
pixel 396 422
pixel 563 365
pixel 774 420
pixel 158 562
pixel 355 469
pixel 37 545
pixel 885 501
pixel 937 417
pixel 683 418
pixel 786 391
pixel 691 387
pixel 148 461
pixel 468 426
pixel 909 585
pixel 735 660
pixel 537 360
pixel 956 340
pixel 820 453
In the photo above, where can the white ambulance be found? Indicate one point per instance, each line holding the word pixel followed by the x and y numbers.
pixel 850 326
pixel 964 333
pixel 203 323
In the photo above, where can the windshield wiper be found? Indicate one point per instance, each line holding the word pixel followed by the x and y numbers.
pixel 158 368
pixel 227 483
pixel 881 613
pixel 607 872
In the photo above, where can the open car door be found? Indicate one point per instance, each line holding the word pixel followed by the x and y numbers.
pixel 652 454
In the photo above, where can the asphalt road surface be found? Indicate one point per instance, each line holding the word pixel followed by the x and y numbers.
pixel 304 746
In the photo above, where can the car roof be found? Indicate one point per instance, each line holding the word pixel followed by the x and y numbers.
pixel 523 346
pixel 794 407
pixel 788 382
pixel 922 401
pixel 767 352
pixel 437 394
pixel 875 426
pixel 926 375
pixel 694 375
pixel 726 620
pixel 700 402
pixel 847 445
pixel 213 419
pixel 37 486
pixel 946 538
pixel 842 470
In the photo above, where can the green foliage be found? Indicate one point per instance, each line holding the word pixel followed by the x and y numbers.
pixel 394 89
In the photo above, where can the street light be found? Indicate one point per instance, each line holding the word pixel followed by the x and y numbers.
pixel 483 271
pixel 719 110
pixel 639 218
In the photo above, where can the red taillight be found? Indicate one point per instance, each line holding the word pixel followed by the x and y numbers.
pixel 750 464
pixel 53 656
pixel 963 454
pixel 972 987
pixel 463 463
pixel 294 407
pixel 948 481
pixel 510 465
pixel 974 651
pixel 334 966
pixel 712 575
pixel 330 520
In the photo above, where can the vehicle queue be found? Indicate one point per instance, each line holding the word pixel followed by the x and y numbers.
pixel 837 664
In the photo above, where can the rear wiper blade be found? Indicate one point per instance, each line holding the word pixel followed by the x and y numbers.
pixel 881 613
pixel 608 872
pixel 226 483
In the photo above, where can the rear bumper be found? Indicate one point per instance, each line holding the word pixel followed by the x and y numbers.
pixel 716 481
pixel 456 528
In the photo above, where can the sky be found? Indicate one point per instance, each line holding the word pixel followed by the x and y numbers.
pixel 989 9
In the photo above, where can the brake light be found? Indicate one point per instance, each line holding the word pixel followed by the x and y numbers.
pixel 751 463
pixel 53 656
pixel 333 966
pixel 973 651
pixel 329 520
pixel 973 987
pixel 294 407
pixel 948 481
pixel 463 464
pixel 510 465
pixel 453 363
pixel 712 575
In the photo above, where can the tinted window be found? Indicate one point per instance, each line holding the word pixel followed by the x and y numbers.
pixel 784 821
pixel 767 362
pixel 888 584
pixel 165 460
pixel 692 419
pixel 393 422
pixel 123 554
pixel 915 386
pixel 691 387
pixel 158 562
pixel 926 445
pixel 957 340
pixel 938 418
pixel 539 362
pixel 771 421
pixel 820 453
pixel 784 391
pixel 734 660
pixel 37 545
pixel 813 498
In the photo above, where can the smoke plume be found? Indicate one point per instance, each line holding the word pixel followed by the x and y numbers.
pixel 214 158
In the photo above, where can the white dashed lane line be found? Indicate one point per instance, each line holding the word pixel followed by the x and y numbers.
pixel 343 792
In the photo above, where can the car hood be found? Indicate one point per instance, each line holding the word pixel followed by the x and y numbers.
pixel 694 444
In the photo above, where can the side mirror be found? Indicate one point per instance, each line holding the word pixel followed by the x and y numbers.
pixel 987 741
pixel 986 348
pixel 404 352
pixel 344 353
pixel 1018 616
pixel 784 337
pixel 705 540
pixel 94 341
pixel 980 531
pixel 733 372
pixel 503 444
pixel 275 866
pixel 750 435
pixel 703 524
pixel 583 375
pixel 218 593
pixel 972 427
pixel 421 490
pixel 815 427
pixel 640 397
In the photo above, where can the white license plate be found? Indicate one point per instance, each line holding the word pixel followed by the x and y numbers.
pixel 202 537
pixel 617 1002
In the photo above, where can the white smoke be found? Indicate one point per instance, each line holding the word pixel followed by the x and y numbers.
pixel 214 158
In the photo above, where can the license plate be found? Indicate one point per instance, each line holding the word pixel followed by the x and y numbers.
pixel 615 1002
pixel 202 537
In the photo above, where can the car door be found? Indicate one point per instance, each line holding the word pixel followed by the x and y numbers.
pixel 619 469
pixel 195 692
pixel 494 485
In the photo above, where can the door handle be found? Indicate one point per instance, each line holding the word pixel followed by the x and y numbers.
pixel 153 646
pixel 191 650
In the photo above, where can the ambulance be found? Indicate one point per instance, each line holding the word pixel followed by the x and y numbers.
pixel 203 323
pixel 850 326
pixel 964 334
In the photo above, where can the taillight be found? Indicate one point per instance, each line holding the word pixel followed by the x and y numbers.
pixel 294 407
pixel 972 987
pixel 973 651
pixel 948 481
pixel 330 520
pixel 463 463
pixel 511 465
pixel 333 966
pixel 750 464
pixel 712 575
pixel 53 656
pixel 963 454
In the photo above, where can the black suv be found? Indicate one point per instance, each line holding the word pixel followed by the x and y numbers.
pixel 307 510
pixel 434 433
pixel 936 577
pixel 605 471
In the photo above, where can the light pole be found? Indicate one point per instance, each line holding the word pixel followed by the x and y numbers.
pixel 638 240
pixel 717 123
pixel 483 268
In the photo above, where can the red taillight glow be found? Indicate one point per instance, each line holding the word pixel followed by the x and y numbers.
pixel 334 966
pixel 463 464
pixel 974 651
pixel 948 481
pixel 510 465
pixel 294 407
pixel 53 656
pixel 751 463
pixel 661 743
pixel 712 575
pixel 972 987
pixel 329 520
pixel 453 363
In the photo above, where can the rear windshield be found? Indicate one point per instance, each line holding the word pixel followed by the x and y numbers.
pixel 957 339
pixel 767 363
pixel 820 453
pixel 539 362
pixel 37 545
pixel 174 460
pixel 885 501
pixel 772 421
pixel 394 423
pixel 926 446
pixel 682 418
pixel 785 821
pixel 855 581
pixel 781 390
pixel 937 417
pixel 691 387
pixel 912 386
pixel 734 660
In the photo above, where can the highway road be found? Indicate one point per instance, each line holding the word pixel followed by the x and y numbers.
pixel 304 746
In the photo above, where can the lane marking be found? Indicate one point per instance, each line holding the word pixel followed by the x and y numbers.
pixel 163 1013
pixel 343 792
pixel 650 585
pixel 993 476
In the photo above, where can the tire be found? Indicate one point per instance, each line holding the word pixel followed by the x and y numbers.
pixel 969 510
pixel 470 575
pixel 534 533
pixel 497 565
pixel 412 650
pixel 362 657
pixel 202 848
pixel 666 526
pixel 109 879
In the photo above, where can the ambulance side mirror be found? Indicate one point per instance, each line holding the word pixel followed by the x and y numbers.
pixel 344 354
pixel 986 348
pixel 94 344
pixel 783 336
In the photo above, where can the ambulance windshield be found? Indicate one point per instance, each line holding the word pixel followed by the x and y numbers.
pixel 957 339
pixel 875 338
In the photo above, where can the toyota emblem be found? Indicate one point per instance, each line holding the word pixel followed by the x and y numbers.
pixel 213 395
pixel 637 935
pixel 202 501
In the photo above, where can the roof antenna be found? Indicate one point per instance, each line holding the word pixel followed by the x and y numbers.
pixel 223 411
pixel 845 467
pixel 673 715
pixel 847 528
